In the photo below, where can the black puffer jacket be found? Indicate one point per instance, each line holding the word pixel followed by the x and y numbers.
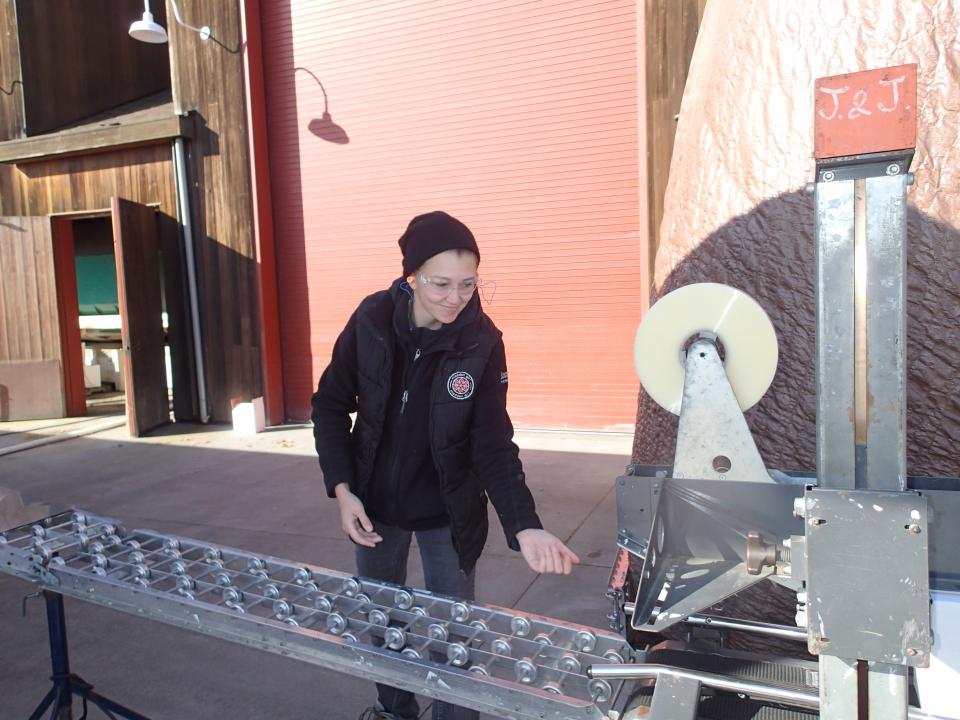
pixel 432 438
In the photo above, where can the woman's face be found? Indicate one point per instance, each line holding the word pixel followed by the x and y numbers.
pixel 442 287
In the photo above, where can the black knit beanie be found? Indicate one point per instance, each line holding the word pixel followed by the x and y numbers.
pixel 433 233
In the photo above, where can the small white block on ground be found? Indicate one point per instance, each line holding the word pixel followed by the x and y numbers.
pixel 249 418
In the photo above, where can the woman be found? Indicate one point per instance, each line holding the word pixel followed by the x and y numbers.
pixel 424 369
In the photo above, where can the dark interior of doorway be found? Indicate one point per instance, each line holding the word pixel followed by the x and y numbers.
pixel 99 317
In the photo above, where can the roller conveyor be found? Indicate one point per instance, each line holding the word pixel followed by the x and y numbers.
pixel 500 661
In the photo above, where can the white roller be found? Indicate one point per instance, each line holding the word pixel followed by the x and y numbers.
pixel 746 333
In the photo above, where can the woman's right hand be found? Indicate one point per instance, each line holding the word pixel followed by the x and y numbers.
pixel 353 518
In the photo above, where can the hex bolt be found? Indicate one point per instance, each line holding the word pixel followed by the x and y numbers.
pixel 395 638
pixel 828 176
pixel 893 169
pixel 799 507
pixel 586 641
pixel 501 646
pixel 914 528
pixel 520 626
pixel 378 617
pixel 525 671
pixel 612 656
pixel 171 544
pixel 459 612
pixel 232 595
pixel 403 599
pixel 817 521
pixel 457 654
pixel 336 623
pixel 323 603
pixel 282 609
pixel 544 638
pixel 599 690
pixel 911 651
pixel 569 663
pixel 436 631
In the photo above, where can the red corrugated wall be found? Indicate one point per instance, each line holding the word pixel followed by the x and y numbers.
pixel 521 119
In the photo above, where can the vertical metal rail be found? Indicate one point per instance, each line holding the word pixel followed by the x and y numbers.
pixel 861 377
pixel 864 135
pixel 836 390
pixel 184 210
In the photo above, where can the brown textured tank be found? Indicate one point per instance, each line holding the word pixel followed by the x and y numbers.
pixel 735 210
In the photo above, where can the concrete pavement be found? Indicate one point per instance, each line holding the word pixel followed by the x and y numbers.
pixel 264 494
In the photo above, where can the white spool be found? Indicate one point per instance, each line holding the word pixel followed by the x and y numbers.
pixel 746 333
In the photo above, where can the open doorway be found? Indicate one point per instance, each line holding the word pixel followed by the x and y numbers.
pixel 99 319
pixel 114 323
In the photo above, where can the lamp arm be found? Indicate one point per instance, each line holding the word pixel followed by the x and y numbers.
pixel 203 32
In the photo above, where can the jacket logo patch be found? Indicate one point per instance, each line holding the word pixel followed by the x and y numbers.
pixel 503 378
pixel 460 385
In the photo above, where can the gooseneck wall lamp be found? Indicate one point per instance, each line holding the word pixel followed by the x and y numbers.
pixel 147 30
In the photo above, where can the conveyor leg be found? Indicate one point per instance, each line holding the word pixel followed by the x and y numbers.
pixel 66 684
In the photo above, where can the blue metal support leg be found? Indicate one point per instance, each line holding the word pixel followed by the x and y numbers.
pixel 65 683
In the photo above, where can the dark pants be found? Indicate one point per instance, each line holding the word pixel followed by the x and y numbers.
pixel 441 570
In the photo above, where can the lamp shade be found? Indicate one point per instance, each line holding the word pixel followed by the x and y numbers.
pixel 146 30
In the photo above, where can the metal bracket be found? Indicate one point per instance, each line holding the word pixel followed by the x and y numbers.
pixel 698 545
pixel 868 575
pixel 713 440
pixel 854 167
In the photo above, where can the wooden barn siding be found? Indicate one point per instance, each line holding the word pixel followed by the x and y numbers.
pixel 519 118
pixel 28 331
pixel 672 27
pixel 87 182
pixel 209 79
pixel 11 105
pixel 77 59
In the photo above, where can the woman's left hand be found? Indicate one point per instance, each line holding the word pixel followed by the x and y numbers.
pixel 545 552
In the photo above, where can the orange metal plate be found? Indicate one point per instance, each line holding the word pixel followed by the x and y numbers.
pixel 865 112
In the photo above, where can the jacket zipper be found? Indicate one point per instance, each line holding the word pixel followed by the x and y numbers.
pixel 395 466
pixel 406 394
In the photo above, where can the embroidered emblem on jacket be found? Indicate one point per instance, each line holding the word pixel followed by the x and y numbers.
pixel 503 378
pixel 460 385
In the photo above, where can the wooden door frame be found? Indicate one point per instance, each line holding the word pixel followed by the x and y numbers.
pixel 68 310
